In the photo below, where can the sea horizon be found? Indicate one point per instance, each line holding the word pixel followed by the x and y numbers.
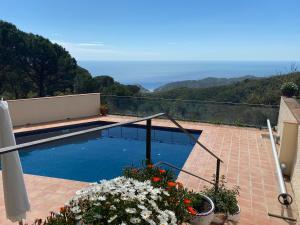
pixel 153 74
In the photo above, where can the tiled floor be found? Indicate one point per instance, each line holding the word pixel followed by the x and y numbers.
pixel 247 160
pixel 45 195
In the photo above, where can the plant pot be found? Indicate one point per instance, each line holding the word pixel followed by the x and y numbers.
pixel 204 218
pixel 236 216
pixel 103 110
pixel 219 218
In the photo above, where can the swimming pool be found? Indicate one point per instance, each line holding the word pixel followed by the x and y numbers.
pixel 102 154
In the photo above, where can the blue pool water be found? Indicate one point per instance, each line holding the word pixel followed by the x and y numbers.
pixel 102 155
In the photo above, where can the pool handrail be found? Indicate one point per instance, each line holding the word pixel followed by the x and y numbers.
pixel 182 170
pixel 73 134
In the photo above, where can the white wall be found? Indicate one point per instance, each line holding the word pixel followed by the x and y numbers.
pixel 48 109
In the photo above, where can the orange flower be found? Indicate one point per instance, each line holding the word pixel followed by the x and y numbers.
pixel 150 166
pixel 62 209
pixel 161 171
pixel 156 179
pixel 187 201
pixel 192 210
pixel 171 184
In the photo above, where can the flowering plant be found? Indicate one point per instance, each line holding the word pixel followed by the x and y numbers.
pixel 117 201
pixel 142 196
pixel 179 199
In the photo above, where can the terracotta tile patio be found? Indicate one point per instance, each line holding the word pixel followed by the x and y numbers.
pixel 45 194
pixel 248 162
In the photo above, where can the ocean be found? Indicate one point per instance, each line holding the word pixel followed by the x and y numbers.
pixel 152 74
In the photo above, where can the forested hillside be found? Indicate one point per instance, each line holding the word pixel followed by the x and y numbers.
pixel 33 66
pixel 203 83
pixel 256 91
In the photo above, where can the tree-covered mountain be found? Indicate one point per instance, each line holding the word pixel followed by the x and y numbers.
pixel 256 91
pixel 33 66
pixel 203 83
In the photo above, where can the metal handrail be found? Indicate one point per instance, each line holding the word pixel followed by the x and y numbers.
pixel 191 100
pixel 192 137
pixel 284 198
pixel 182 170
pixel 73 134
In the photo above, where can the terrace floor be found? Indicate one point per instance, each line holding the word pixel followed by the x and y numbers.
pixel 248 162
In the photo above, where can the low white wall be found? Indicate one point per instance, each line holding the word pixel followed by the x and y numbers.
pixel 48 109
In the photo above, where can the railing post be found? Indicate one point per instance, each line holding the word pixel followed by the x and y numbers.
pixel 217 175
pixel 148 141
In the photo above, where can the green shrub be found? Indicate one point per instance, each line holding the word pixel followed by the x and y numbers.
pixel 225 198
pixel 289 89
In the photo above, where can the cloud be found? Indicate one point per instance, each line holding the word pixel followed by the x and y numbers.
pixel 93 44
pixel 101 51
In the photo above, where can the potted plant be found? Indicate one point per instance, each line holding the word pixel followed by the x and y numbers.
pixel 204 209
pixel 289 89
pixel 225 200
pixel 103 110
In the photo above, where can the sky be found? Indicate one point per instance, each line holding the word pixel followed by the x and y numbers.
pixel 256 30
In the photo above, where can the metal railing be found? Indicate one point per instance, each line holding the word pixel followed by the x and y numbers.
pixel 182 170
pixel 239 114
pixel 148 119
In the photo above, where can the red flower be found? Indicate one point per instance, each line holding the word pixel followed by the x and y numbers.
pixel 161 171
pixel 192 210
pixel 156 179
pixel 187 201
pixel 171 184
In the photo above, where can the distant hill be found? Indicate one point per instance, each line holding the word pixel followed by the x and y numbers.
pixel 256 91
pixel 142 89
pixel 203 83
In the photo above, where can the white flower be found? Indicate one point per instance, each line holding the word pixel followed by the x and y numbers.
pixel 135 220
pixel 145 214
pixel 111 192
pixel 141 206
pixel 112 218
pixel 101 198
pixel 76 209
pixel 112 207
pixel 163 223
pixel 166 193
pixel 130 210
pixel 151 222
pixel 78 217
